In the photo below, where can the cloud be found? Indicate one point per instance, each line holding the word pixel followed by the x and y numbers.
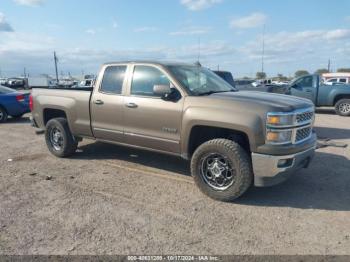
pixel 90 31
pixel 145 29
pixel 4 25
pixel 196 5
pixel 250 21
pixel 192 30
pixel 29 2
pixel 115 24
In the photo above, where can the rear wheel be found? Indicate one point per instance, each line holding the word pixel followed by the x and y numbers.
pixel 3 115
pixel 222 169
pixel 59 139
pixel 342 107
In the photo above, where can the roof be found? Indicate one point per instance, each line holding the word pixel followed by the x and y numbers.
pixel 153 62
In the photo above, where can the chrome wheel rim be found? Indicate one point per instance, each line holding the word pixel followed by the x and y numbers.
pixel 217 171
pixel 56 138
pixel 344 108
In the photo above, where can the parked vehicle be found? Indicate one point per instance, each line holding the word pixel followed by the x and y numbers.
pixel 336 78
pixel 233 138
pixel 38 82
pixel 227 76
pixel 336 81
pixel 15 83
pixel 12 103
pixel 311 87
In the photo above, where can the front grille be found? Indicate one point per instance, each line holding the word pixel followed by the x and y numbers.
pixel 304 117
pixel 302 134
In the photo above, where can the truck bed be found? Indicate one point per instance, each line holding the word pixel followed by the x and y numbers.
pixel 75 102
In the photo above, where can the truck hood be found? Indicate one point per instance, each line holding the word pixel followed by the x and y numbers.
pixel 276 102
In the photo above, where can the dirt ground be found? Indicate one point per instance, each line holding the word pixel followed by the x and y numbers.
pixel 113 200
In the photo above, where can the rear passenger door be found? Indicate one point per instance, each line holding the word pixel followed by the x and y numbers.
pixel 107 104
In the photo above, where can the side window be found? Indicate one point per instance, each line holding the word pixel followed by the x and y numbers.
pixel 144 78
pixel 342 80
pixel 113 79
pixel 305 81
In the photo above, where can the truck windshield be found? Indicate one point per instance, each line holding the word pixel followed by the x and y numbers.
pixel 200 81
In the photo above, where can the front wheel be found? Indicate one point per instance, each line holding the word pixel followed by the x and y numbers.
pixel 59 139
pixel 222 169
pixel 342 107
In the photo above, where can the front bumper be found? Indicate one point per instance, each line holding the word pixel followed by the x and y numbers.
pixel 270 170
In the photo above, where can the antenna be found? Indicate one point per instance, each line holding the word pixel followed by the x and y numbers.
pixel 263 51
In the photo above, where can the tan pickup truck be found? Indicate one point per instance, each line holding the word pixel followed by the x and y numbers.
pixel 233 138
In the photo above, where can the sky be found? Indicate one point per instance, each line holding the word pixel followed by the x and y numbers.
pixel 227 34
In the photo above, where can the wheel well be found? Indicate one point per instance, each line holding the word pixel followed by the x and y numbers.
pixel 202 134
pixel 338 97
pixel 50 113
pixel 3 108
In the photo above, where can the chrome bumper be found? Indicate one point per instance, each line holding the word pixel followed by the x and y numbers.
pixel 270 170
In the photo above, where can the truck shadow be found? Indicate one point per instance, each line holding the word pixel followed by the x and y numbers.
pixel 325 111
pixel 332 133
pixel 325 185
pixel 21 120
pixel 104 151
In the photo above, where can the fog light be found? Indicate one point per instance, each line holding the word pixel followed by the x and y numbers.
pixel 285 163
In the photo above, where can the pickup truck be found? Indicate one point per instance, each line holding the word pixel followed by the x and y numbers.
pixel 312 88
pixel 233 138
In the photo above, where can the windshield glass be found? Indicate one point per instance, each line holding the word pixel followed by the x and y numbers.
pixel 200 81
pixel 6 90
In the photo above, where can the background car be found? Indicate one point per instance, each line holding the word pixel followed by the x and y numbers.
pixel 12 103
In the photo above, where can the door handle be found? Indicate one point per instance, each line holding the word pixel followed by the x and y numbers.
pixel 131 105
pixel 98 102
pixel 308 91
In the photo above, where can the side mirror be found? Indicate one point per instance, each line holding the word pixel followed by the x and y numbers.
pixel 161 90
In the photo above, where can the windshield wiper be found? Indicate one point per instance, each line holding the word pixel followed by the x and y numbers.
pixel 214 92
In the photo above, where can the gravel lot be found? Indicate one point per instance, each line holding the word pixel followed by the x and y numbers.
pixel 113 200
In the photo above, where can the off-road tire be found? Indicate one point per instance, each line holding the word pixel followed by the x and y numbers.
pixel 3 115
pixel 238 158
pixel 338 105
pixel 69 145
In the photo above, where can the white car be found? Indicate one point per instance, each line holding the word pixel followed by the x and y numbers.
pixel 334 81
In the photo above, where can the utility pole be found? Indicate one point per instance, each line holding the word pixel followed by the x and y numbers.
pixel 56 60
pixel 24 72
pixel 263 50
pixel 199 49
pixel 329 65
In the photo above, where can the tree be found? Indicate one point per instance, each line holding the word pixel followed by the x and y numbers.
pixel 343 70
pixel 281 77
pixel 321 71
pixel 301 73
pixel 260 75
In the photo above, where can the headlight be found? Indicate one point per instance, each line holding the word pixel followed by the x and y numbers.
pixel 280 120
pixel 279 136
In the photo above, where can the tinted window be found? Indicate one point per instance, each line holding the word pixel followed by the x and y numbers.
pixel 113 79
pixel 305 81
pixel 144 78
pixel 342 80
pixel 6 90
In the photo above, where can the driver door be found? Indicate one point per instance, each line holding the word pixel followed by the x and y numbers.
pixel 304 87
pixel 150 121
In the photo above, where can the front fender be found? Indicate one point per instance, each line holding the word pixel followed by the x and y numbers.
pixel 241 120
